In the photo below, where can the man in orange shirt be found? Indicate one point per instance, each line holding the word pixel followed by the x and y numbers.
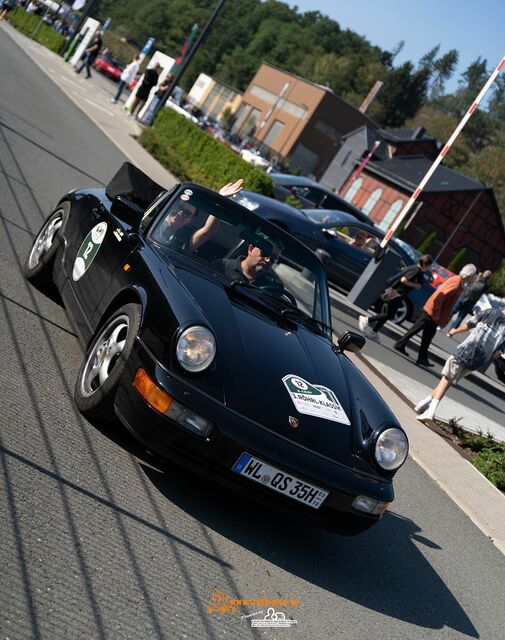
pixel 436 312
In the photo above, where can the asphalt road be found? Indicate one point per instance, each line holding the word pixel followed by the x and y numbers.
pixel 97 541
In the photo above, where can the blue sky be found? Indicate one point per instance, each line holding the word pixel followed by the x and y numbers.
pixel 473 28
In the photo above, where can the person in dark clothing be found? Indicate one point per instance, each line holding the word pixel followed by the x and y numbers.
pixel 254 268
pixel 150 80
pixel 157 98
pixel 399 287
pixel 177 232
pixel 470 297
pixel 436 313
pixel 6 6
pixel 90 55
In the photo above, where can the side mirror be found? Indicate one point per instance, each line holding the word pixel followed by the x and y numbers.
pixel 350 341
pixel 127 211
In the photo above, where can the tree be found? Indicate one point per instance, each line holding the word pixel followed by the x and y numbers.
pixel 403 93
pixel 443 69
pixel 489 167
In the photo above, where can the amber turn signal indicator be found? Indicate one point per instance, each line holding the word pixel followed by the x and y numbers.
pixel 152 394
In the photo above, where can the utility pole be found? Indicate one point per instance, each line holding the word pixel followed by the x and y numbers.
pixel 372 94
pixel 190 54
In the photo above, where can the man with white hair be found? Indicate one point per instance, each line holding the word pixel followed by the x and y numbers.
pixel 436 313
pixel 470 297
pixel 485 343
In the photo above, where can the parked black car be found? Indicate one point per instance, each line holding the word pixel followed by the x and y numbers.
pixel 236 379
pixel 312 195
pixel 335 233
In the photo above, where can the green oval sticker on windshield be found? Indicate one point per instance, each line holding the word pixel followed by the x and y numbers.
pixel 88 250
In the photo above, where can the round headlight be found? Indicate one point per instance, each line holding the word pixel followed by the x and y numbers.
pixel 196 349
pixel 391 449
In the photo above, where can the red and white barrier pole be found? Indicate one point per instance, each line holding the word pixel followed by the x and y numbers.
pixel 441 155
pixel 364 162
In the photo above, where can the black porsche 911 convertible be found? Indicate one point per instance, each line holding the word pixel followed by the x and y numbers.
pixel 207 331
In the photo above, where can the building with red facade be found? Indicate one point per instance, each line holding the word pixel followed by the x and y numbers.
pixel 459 215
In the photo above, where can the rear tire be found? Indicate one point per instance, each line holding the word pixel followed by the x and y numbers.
pixel 39 263
pixel 104 363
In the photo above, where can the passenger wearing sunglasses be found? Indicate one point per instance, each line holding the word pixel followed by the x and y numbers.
pixel 179 235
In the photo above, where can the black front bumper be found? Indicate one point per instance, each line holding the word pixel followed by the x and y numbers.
pixel 232 435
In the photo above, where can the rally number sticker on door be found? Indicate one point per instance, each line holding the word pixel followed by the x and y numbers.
pixel 314 399
pixel 88 250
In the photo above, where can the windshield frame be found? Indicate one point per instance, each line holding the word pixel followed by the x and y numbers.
pixel 292 251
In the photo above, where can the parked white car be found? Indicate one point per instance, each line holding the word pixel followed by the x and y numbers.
pixel 254 157
pixel 172 105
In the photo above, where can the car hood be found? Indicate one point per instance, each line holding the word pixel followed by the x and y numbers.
pixel 275 372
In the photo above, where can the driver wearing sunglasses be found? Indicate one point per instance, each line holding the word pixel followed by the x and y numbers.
pixel 255 268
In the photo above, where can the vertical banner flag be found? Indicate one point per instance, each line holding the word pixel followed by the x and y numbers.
pixel 145 50
pixel 106 25
pixel 185 49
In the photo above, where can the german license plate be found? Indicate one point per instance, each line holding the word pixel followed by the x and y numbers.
pixel 279 481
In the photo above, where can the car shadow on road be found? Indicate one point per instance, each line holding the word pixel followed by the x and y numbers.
pixel 381 569
pixel 80 171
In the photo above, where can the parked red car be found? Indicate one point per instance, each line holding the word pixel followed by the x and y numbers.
pixel 439 274
pixel 110 67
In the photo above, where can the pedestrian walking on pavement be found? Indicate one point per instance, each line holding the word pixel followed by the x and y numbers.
pixel 6 6
pixel 485 343
pixel 90 55
pixel 399 286
pixel 470 297
pixel 436 312
pixel 127 75
pixel 150 80
pixel 157 98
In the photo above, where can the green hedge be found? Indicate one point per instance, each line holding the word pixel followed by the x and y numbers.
pixel 491 463
pixel 427 242
pixel 28 22
pixel 497 282
pixel 192 155
pixel 119 48
pixel 490 458
pixel 457 261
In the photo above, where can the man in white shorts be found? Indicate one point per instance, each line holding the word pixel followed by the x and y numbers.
pixel 485 343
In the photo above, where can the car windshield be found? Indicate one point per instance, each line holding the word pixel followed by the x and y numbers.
pixel 245 250
pixel 323 217
pixel 409 250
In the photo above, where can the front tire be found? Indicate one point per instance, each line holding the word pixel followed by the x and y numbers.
pixel 403 312
pixel 105 362
pixel 38 266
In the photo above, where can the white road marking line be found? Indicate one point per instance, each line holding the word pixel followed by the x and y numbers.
pixel 75 84
pixel 98 106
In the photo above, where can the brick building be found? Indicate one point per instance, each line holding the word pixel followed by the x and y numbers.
pixel 459 214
